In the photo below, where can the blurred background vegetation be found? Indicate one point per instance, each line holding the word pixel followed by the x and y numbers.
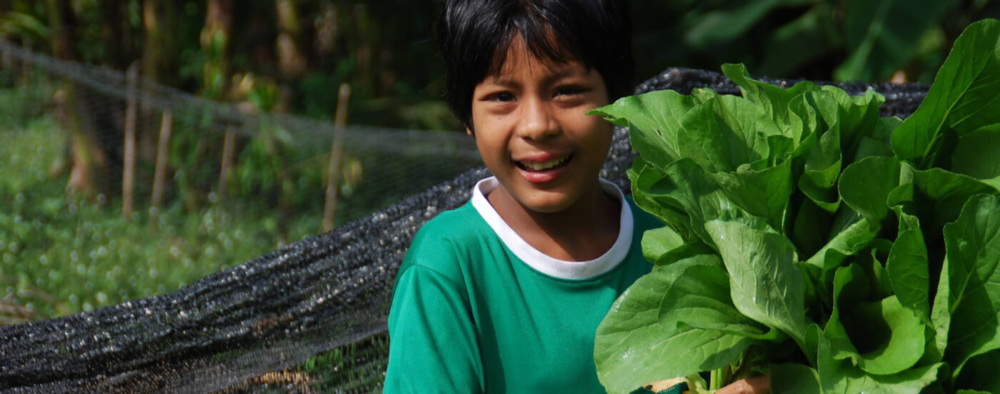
pixel 64 246
pixel 291 54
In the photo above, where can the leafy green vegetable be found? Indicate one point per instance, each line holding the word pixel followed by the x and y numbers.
pixel 808 236
pixel 666 344
pixel 962 99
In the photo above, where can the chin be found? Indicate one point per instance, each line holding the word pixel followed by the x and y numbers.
pixel 548 204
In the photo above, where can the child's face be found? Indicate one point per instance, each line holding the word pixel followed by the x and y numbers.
pixel 533 132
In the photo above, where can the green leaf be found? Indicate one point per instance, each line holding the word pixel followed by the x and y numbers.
pixel 685 196
pixel 841 376
pixel 936 196
pixel 644 178
pixel 866 184
pixel 972 244
pixel 881 284
pixel 659 241
pixel 763 193
pixel 720 133
pixel 941 316
pixel 702 300
pixel 859 118
pixel 712 145
pixel 976 154
pixel 964 98
pixel 883 35
pixel 868 146
pixel 766 285
pixel 794 378
pixel 822 170
pixel 633 348
pixel 775 101
pixel 896 333
pixel 908 270
pixel 980 373
pixel 850 287
pixel 809 231
pixel 684 251
pixel 853 236
pixel 724 133
pixel 655 120
pixel 726 24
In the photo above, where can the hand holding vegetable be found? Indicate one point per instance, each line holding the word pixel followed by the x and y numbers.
pixel 754 385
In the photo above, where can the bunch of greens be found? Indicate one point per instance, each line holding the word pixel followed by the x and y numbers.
pixel 812 239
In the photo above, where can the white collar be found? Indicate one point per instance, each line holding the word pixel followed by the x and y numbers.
pixel 544 263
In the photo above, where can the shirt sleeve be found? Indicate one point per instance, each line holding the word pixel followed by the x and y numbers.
pixel 432 337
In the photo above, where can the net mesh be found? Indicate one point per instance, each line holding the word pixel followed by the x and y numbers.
pixel 322 299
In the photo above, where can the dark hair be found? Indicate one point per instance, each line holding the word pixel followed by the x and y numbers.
pixel 474 36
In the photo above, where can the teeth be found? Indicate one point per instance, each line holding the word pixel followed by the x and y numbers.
pixel 542 166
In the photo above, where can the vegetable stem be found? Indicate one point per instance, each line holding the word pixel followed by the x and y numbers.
pixel 720 377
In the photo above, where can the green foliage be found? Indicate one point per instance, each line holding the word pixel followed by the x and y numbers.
pixel 849 40
pixel 23 25
pixel 59 256
pixel 808 237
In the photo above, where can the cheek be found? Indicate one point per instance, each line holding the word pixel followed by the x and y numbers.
pixel 600 137
pixel 597 129
pixel 492 145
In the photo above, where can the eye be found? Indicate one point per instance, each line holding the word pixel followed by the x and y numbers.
pixel 569 90
pixel 501 97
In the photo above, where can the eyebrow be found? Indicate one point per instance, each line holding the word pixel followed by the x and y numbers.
pixel 564 73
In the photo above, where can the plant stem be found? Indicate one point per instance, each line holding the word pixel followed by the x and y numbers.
pixel 720 377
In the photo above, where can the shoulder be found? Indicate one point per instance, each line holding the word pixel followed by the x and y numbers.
pixel 456 226
pixel 445 242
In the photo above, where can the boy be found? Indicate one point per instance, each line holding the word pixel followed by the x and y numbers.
pixel 505 293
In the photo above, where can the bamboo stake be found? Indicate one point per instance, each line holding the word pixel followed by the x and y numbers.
pixel 128 175
pixel 162 150
pixel 228 151
pixel 7 61
pixel 26 66
pixel 333 177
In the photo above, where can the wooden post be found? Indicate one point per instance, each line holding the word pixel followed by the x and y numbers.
pixel 228 152
pixel 7 61
pixel 162 150
pixel 131 109
pixel 26 66
pixel 333 177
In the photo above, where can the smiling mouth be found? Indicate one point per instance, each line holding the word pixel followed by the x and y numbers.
pixel 543 165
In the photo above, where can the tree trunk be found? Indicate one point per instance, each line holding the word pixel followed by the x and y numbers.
pixel 159 54
pixel 162 152
pixel 117 34
pixel 131 117
pixel 291 60
pixel 336 159
pixel 215 44
pixel 160 63
pixel 89 174
pixel 215 39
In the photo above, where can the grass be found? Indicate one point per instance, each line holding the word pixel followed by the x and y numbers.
pixel 59 255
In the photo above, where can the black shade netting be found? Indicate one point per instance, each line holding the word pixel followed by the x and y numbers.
pixel 327 294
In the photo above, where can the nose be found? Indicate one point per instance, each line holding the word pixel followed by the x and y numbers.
pixel 537 122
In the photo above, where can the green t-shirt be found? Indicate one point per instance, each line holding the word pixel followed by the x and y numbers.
pixel 475 308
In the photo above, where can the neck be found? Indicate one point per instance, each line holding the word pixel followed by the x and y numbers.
pixel 584 231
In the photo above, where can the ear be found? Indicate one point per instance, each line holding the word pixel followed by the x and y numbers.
pixel 468 131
